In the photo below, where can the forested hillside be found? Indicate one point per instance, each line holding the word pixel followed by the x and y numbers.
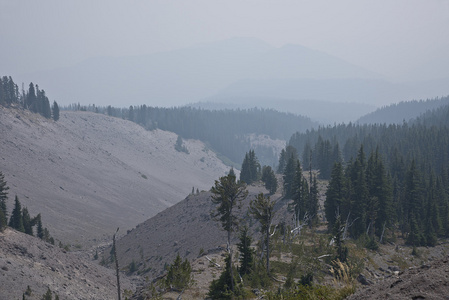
pixel 385 176
pixel 34 99
pixel 402 111
pixel 226 131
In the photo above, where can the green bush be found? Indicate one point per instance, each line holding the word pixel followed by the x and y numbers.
pixel 179 275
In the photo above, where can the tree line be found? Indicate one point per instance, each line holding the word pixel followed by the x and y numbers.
pixel 425 140
pixel 33 99
pixel 402 185
pixel 20 218
pixel 225 131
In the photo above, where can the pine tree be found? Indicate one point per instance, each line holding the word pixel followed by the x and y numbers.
pixel 55 111
pixel 245 173
pixel 30 101
pixel 335 195
pixel 227 193
pixel 3 221
pixel 413 197
pixel 359 196
pixel 299 194
pixel 269 178
pixel 246 253
pixel 27 222
pixel 3 195
pixel 282 162
pixel 16 220
pixel 223 287
pixel 254 166
pixel 131 113
pixel 48 295
pixel 40 228
pixel 262 209
pixel 289 176
pixel 179 275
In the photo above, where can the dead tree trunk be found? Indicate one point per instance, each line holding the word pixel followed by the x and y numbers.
pixel 116 266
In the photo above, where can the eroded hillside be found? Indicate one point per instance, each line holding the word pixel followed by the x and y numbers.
pixel 88 174
pixel 26 261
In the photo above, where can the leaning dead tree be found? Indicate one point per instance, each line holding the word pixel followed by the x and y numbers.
pixel 299 224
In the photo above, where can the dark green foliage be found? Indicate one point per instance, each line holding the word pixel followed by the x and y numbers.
pixel 289 152
pixel 179 275
pixel 40 228
pixel 270 180
pixel 9 92
pixel 132 266
pixel 221 288
pixel 250 168
pixel 3 221
pixel 227 193
pixel 335 195
pixel 246 253
pixel 262 209
pixel 403 182
pixel 289 176
pixel 16 220
pixel 55 111
pixel 3 194
pixel 34 99
pixel 27 222
pixel 48 295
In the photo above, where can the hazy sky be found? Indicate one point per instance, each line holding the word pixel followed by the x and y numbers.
pixel 397 38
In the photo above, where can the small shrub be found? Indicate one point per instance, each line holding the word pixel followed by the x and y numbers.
pixel 179 275
pixel 132 267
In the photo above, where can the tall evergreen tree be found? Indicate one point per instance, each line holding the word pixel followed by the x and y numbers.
pixel 16 220
pixel 3 194
pixel 270 180
pixel 3 221
pixel 27 222
pixel 246 252
pixel 299 194
pixel 40 229
pixel 30 102
pixel 245 173
pixel 289 176
pixel 227 193
pixel 335 195
pixel 262 209
pixel 282 162
pixel 55 111
pixel 359 196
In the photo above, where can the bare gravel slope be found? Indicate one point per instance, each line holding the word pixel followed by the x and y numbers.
pixel 88 174
pixel 29 261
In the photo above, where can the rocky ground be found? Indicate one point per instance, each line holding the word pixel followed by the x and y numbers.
pixel 426 281
pixel 28 261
